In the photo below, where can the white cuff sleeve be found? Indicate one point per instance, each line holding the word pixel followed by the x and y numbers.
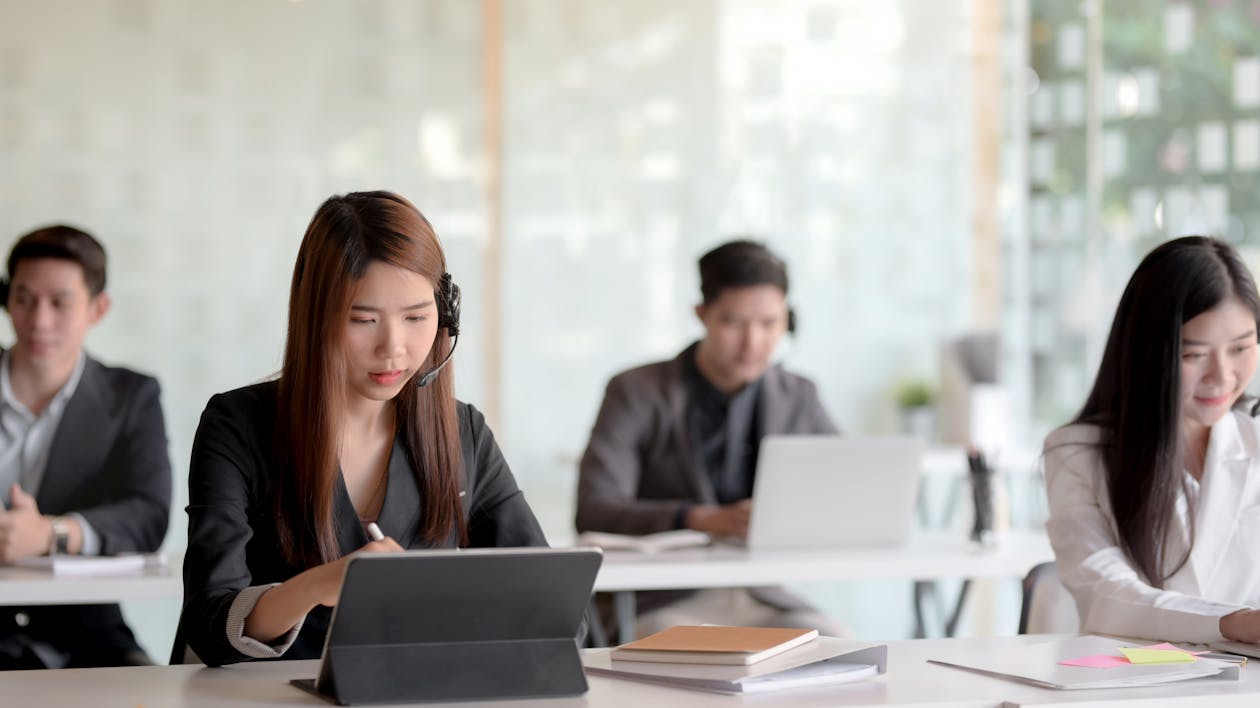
pixel 240 609
pixel 1201 625
pixel 91 539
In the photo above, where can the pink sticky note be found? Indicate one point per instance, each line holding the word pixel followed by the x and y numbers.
pixel 1098 661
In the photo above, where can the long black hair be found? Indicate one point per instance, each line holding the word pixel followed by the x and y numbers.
pixel 1136 399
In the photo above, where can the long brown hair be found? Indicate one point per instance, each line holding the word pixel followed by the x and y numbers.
pixel 347 234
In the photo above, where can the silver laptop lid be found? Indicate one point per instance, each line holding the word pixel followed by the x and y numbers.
pixel 825 491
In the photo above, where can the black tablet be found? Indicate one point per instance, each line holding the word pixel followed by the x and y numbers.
pixel 457 625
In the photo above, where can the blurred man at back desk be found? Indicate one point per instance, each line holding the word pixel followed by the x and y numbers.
pixel 84 467
pixel 675 443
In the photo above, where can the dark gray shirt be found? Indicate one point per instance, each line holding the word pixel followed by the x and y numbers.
pixel 725 431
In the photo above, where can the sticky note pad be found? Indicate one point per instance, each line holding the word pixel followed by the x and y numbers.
pixel 1137 655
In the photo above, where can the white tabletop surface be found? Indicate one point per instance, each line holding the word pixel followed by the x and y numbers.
pixel 926 557
pixel 910 681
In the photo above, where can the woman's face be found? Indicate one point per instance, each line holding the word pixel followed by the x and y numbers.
pixel 1218 358
pixel 390 329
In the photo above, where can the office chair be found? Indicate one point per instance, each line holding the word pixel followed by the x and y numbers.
pixel 1048 607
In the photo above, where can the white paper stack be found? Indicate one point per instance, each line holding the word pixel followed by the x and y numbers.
pixel 1038 664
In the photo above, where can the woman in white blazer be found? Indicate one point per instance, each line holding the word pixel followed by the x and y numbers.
pixel 1154 488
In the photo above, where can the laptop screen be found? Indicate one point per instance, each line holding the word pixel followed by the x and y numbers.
pixel 828 491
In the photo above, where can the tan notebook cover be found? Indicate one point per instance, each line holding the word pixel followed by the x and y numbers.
pixel 720 639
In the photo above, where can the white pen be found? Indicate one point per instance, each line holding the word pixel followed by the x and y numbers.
pixel 374 531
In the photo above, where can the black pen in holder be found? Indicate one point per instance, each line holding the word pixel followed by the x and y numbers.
pixel 981 477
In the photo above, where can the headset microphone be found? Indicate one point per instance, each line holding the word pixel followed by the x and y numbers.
pixel 427 377
pixel 448 318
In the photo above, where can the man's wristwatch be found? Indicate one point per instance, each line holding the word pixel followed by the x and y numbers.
pixel 60 542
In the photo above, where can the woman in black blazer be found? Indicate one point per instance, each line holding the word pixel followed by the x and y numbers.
pixel 361 427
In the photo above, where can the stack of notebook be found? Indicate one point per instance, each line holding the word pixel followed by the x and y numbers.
pixel 712 644
pixel 739 659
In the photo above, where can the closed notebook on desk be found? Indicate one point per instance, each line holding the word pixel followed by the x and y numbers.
pixel 659 542
pixel 824 661
pixel 713 644
pixel 133 564
pixel 457 625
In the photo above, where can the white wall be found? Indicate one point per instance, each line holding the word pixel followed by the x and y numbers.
pixel 196 138
pixel 641 134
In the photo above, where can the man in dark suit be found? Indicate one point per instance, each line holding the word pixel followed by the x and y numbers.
pixel 84 467
pixel 675 443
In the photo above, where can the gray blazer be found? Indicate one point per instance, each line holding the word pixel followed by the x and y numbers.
pixel 640 469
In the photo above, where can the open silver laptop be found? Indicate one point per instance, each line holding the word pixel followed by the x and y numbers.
pixel 824 491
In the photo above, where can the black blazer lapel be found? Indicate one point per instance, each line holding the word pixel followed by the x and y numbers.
pixel 400 511
pixel 351 536
pixel 81 444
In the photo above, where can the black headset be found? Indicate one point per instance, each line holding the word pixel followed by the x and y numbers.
pixel 791 324
pixel 448 301
pixel 4 293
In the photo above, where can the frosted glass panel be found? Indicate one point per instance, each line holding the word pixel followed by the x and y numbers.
pixel 196 139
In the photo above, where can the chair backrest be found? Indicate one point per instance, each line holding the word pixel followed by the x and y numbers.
pixel 1048 607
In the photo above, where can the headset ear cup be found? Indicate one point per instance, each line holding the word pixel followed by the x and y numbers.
pixel 448 318
pixel 791 324
pixel 4 293
pixel 448 310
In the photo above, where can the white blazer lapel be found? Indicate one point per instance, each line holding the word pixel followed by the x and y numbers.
pixel 1230 457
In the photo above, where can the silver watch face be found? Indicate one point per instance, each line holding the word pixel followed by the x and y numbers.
pixel 61 536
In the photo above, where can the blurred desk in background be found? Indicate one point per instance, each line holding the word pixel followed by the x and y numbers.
pixel 32 586
pixel 928 557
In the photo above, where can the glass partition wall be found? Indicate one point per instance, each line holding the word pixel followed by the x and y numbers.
pixel 576 157
pixel 1143 125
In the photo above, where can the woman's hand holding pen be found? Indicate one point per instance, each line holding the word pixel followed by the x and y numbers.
pixel 328 582
pixel 282 607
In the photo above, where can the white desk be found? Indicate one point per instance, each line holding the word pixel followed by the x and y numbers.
pixel 927 557
pixel 26 586
pixel 910 681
